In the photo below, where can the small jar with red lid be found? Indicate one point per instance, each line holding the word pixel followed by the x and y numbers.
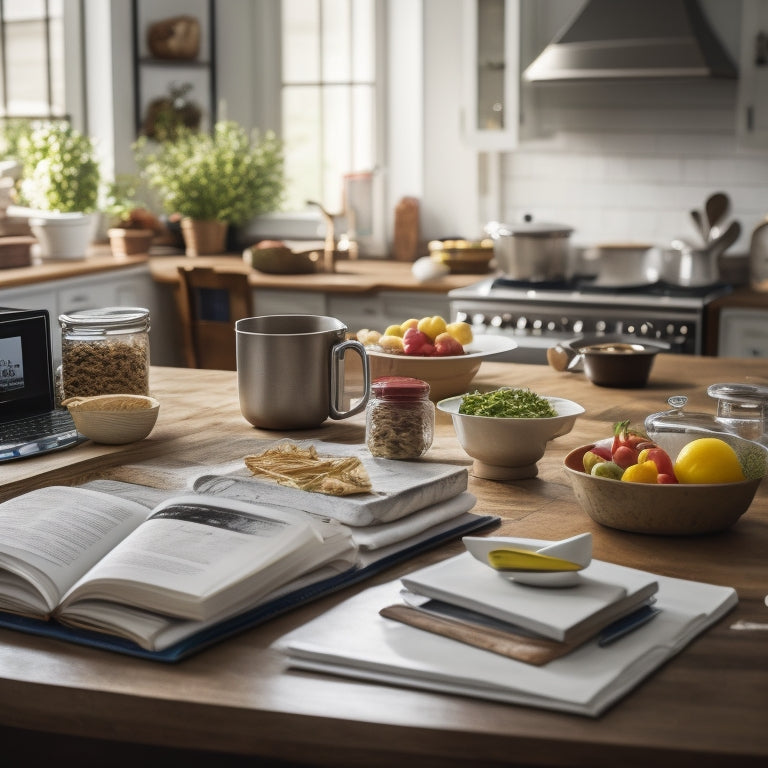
pixel 399 418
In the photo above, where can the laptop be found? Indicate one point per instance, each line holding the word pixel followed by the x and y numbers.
pixel 30 422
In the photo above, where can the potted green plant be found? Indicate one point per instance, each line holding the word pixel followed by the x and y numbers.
pixel 223 178
pixel 130 226
pixel 61 183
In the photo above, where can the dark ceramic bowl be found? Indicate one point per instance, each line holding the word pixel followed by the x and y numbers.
pixel 618 364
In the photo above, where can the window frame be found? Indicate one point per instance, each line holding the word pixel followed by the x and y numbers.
pixel 74 69
pixel 268 114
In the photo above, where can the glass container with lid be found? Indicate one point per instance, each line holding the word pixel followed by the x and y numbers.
pixel 742 409
pixel 105 351
pixel 399 418
pixel 673 429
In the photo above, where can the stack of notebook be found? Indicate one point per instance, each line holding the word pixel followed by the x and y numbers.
pixel 460 626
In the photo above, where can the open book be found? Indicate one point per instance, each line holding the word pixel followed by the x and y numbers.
pixel 586 681
pixel 172 576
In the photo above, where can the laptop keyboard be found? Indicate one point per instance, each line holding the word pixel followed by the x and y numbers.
pixel 37 434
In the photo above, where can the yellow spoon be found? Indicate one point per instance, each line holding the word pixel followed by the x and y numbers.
pixel 509 559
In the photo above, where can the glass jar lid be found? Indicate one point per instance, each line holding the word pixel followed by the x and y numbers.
pixel 108 319
pixel 399 388
pixel 749 393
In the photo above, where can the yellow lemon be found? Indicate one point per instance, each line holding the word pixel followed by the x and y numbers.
pixel 708 460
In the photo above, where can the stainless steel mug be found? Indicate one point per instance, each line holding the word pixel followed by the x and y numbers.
pixel 290 370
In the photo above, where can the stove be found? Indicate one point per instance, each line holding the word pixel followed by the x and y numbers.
pixel 538 315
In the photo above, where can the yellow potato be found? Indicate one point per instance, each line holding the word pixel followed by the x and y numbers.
pixel 391 343
pixel 393 330
pixel 460 331
pixel 366 336
pixel 432 326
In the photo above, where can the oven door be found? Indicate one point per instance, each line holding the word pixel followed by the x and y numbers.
pixel 538 326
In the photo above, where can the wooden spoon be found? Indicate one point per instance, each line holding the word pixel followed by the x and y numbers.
pixel 717 207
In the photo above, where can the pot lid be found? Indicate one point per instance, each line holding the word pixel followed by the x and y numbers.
pixel 679 421
pixel 530 229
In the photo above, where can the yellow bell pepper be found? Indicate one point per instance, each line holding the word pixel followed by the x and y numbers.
pixel 645 472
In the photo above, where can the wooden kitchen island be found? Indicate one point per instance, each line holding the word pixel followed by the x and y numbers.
pixel 236 703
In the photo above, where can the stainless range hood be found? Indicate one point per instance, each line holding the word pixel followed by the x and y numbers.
pixel 623 39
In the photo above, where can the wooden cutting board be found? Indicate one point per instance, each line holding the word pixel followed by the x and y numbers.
pixel 532 650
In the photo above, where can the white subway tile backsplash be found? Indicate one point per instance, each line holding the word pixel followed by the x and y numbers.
pixel 634 175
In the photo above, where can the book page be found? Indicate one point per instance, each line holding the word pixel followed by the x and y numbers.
pixel 197 557
pixel 50 537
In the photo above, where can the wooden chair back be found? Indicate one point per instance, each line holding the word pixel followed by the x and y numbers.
pixel 209 303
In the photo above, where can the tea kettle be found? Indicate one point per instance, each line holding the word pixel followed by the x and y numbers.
pixel 758 256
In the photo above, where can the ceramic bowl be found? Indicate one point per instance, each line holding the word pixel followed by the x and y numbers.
pixel 681 510
pixel 618 364
pixel 114 419
pixel 509 448
pixel 446 376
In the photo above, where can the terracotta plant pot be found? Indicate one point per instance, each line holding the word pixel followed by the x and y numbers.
pixel 129 242
pixel 204 237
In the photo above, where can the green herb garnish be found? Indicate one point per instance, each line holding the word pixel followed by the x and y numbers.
pixel 507 403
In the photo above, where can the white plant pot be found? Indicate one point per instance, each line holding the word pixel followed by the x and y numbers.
pixel 64 235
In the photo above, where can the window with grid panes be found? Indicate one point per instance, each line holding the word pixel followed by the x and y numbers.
pixel 328 91
pixel 32 81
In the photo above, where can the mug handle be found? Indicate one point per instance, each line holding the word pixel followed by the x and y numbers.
pixel 337 358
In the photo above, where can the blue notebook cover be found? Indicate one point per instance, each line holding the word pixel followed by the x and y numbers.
pixel 247 620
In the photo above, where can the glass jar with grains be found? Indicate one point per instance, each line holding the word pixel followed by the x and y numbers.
pixel 105 352
pixel 399 418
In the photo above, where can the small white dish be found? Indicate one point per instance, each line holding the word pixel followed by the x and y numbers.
pixel 576 551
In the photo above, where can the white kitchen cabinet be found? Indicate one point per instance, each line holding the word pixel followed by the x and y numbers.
pixel 752 115
pixel 491 76
pixel 357 312
pixel 397 306
pixel 280 302
pixel 132 287
pixel 743 332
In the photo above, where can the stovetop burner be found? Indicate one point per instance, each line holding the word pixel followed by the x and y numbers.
pixel 592 285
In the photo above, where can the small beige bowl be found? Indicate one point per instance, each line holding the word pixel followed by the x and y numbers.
pixel 114 419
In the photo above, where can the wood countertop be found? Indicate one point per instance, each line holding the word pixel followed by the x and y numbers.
pixel 99 261
pixel 705 707
pixel 358 276
pixel 351 276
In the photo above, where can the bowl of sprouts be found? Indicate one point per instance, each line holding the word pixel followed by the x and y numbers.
pixel 506 430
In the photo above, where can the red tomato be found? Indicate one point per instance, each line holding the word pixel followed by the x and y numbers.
pixel 660 458
pixel 625 456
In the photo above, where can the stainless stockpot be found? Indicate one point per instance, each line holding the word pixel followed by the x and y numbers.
pixel 532 250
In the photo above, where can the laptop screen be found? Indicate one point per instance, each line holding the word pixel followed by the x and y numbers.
pixel 26 367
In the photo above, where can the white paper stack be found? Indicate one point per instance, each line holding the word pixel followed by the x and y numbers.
pixel 586 681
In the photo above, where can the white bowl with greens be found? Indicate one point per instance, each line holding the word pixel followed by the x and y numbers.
pixel 506 431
